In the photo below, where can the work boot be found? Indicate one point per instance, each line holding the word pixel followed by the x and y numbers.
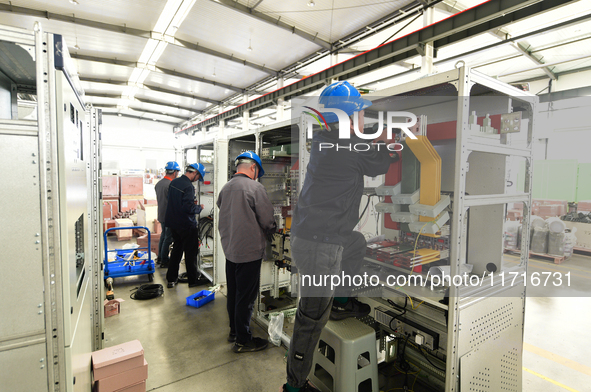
pixel 172 284
pixel 202 280
pixel 256 344
pixel 351 308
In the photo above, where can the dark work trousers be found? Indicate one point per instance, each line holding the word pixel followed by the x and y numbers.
pixel 187 242
pixel 243 287
pixel 164 245
pixel 317 258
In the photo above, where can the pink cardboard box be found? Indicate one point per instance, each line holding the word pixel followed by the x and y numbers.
pixel 117 359
pixel 122 381
pixel 110 186
pixel 112 307
pixel 132 186
pixel 139 387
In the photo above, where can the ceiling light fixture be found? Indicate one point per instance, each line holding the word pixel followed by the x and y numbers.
pixel 311 3
pixel 75 2
pixel 249 46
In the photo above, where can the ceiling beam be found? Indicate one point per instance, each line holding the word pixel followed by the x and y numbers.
pixel 474 21
pixel 538 61
pixel 107 106
pixel 236 6
pixel 199 79
pixel 133 64
pixel 104 81
pixel 8 8
pixel 96 59
pixel 132 116
pixel 256 4
pixel 118 96
pixel 503 35
pixel 229 57
pixel 186 95
pixel 149 87
pixel 175 106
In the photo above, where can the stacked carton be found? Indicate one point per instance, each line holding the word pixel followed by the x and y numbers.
pixel 120 368
pixel 131 193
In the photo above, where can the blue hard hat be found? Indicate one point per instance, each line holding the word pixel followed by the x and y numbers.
pixel 251 155
pixel 343 96
pixel 172 165
pixel 199 167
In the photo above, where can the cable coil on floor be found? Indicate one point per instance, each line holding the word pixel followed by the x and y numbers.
pixel 147 291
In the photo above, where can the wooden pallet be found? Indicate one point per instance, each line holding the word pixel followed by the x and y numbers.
pixel 555 259
pixel 585 251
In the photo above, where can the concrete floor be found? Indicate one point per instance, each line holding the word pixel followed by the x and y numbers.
pixel 186 347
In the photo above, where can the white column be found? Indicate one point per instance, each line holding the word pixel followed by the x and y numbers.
pixel 245 115
pixel 427 58
pixel 221 125
pixel 334 59
pixel 280 101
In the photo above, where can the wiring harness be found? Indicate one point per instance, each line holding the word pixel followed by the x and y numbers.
pixel 147 291
pixel 205 230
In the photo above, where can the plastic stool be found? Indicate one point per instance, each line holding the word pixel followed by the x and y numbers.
pixel 345 359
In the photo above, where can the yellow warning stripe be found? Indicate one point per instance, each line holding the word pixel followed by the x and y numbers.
pixel 550 380
pixel 558 359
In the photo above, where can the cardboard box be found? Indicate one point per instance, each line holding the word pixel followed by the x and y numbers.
pixel 583 233
pixel 112 307
pixel 121 234
pixel 117 359
pixel 123 380
pixel 146 216
pixel 110 186
pixel 132 186
pixel 108 224
pixel 139 387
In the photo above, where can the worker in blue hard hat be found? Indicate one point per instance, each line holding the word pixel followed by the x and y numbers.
pixel 245 220
pixel 172 170
pixel 323 240
pixel 180 218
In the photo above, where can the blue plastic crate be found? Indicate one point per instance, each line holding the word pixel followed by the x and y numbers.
pixel 193 301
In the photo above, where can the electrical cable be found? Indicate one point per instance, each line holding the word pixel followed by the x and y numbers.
pixel 404 364
pixel 428 360
pixel 402 309
pixel 147 291
pixel 364 209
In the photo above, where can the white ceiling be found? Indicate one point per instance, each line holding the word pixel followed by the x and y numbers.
pixel 102 33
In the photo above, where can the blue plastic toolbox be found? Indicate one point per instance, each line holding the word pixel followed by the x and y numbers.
pixel 200 298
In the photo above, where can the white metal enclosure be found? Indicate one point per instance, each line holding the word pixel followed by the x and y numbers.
pixel 52 317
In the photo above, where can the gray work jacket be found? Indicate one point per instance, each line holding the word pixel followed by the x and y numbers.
pixel 161 189
pixel 246 217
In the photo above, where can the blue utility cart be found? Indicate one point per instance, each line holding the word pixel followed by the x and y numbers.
pixel 129 262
